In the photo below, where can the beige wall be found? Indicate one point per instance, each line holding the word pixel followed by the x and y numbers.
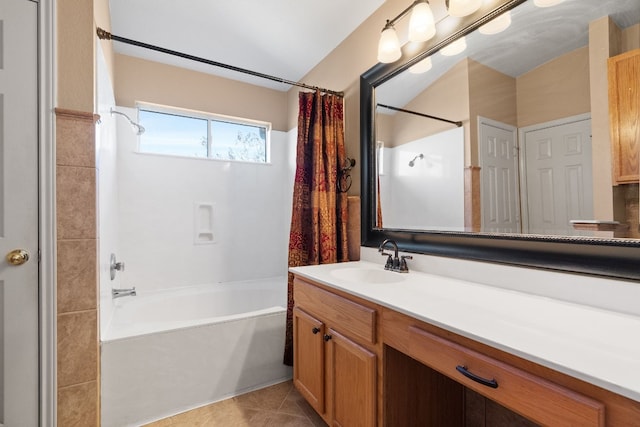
pixel 492 95
pixel 75 46
pixel 557 89
pixel 147 81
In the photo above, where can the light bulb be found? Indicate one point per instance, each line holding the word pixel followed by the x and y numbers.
pixel 422 66
pixel 422 25
pixel 546 3
pixel 454 48
pixel 460 8
pixel 497 25
pixel 389 46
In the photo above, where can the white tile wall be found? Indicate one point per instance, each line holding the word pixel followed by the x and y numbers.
pixel 157 195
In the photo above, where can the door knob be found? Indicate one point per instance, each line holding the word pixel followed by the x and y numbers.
pixel 17 257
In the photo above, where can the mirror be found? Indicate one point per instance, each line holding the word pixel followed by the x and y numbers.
pixel 494 189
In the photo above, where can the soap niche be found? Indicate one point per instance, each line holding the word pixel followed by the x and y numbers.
pixel 417 395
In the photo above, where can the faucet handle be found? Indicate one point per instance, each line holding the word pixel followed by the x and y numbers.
pixel 389 264
pixel 403 263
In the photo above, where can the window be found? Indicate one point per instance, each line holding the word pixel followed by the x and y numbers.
pixel 191 134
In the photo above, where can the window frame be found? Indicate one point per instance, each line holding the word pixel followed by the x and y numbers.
pixel 209 117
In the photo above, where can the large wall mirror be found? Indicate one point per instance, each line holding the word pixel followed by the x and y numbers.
pixel 502 150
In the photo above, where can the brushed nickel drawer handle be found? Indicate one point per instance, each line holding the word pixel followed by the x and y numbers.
pixel 464 371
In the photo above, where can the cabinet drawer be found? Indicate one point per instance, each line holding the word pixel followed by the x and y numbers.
pixel 350 318
pixel 541 401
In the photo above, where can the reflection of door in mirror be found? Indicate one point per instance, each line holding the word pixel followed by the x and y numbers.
pixel 557 178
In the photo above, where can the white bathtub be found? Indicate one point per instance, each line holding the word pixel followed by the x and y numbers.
pixel 170 351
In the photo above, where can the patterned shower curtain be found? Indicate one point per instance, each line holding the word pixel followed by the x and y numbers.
pixel 319 218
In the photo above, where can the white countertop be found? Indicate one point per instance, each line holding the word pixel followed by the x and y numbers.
pixel 598 346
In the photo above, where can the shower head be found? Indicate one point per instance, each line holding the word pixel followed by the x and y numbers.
pixel 412 162
pixel 136 126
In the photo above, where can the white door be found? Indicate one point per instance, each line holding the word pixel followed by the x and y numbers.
pixel 499 192
pixel 558 178
pixel 18 214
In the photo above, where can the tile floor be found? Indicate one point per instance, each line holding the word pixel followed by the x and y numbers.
pixel 277 406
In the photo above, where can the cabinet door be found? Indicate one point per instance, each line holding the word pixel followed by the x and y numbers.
pixel 624 108
pixel 308 358
pixel 353 382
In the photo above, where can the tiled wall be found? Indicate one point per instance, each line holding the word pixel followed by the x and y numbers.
pixel 77 315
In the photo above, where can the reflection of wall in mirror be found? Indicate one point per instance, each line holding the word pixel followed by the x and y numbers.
pixel 429 194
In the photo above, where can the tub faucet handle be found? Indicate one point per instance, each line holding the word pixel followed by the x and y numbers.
pixel 114 266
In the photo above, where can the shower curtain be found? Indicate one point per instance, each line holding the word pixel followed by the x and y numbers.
pixel 319 219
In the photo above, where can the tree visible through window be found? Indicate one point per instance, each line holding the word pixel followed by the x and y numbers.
pixel 180 133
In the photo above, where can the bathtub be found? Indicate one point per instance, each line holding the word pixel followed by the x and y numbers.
pixel 169 351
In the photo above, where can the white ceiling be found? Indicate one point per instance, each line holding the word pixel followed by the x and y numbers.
pixel 282 38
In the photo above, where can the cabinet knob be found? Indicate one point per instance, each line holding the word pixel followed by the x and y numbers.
pixel 327 337
pixel 315 330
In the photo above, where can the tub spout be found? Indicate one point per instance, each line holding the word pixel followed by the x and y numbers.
pixel 117 293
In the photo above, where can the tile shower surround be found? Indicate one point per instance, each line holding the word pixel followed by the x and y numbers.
pixel 77 275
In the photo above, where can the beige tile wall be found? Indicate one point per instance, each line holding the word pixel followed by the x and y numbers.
pixel 77 276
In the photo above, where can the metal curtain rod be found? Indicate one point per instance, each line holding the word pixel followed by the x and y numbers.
pixel 105 35
pixel 458 124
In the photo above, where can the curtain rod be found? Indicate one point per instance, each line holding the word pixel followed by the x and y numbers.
pixel 458 124
pixel 105 35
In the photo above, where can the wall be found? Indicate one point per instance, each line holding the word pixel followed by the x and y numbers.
pixel 157 219
pixel 407 193
pixel 492 95
pixel 106 152
pixel 147 81
pixel 77 244
pixel 557 89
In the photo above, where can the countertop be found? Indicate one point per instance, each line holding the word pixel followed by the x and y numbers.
pixel 598 346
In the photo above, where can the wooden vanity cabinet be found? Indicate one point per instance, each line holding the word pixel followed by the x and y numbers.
pixel 335 355
pixel 624 110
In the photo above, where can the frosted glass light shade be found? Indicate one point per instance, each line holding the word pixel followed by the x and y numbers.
pixel 546 3
pixel 454 48
pixel 497 25
pixel 422 66
pixel 422 25
pixel 460 8
pixel 389 46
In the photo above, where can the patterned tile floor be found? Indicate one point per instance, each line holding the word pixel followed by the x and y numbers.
pixel 277 406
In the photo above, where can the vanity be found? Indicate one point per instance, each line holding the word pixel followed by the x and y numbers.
pixel 373 347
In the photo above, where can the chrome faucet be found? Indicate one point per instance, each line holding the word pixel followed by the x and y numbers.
pixel 394 263
pixel 117 293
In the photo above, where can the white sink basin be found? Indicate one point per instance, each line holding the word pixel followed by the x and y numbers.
pixel 367 275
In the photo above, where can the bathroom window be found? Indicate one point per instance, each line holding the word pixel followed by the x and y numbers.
pixel 186 133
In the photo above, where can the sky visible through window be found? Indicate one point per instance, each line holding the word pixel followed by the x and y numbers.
pixel 187 136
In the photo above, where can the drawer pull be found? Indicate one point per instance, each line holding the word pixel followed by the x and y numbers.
pixel 315 330
pixel 489 383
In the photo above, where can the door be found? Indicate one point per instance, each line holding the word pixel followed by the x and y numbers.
pixel 18 214
pixel 499 192
pixel 353 381
pixel 557 175
pixel 308 358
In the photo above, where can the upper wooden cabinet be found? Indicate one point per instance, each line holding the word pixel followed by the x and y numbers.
pixel 624 116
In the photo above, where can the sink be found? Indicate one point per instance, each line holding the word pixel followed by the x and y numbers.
pixel 367 275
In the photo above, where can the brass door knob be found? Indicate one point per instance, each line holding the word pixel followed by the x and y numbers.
pixel 17 257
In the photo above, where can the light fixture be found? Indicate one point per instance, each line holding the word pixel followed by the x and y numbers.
pixel 454 48
pixel 422 66
pixel 389 45
pixel 497 25
pixel 421 28
pixel 546 3
pixel 460 8
pixel 422 25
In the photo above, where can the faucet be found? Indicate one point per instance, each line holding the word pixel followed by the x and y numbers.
pixel 393 262
pixel 117 293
